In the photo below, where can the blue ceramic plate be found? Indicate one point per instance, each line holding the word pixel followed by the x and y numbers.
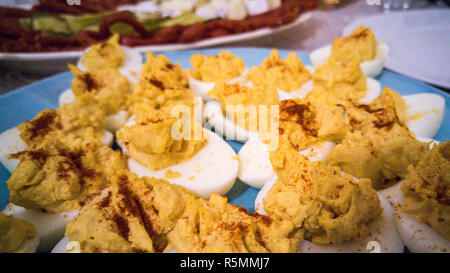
pixel 23 104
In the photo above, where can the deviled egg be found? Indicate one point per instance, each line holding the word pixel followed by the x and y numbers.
pixel 61 166
pixel 112 122
pixel 17 236
pixel 213 169
pixel 303 191
pixel 110 54
pixel 240 111
pixel 12 143
pixel 361 43
pixel 106 72
pixel 108 87
pixel 194 163
pixel 312 130
pixel 208 70
pixel 344 80
pixel 393 193
pixel 50 227
pixel 289 77
pixel 422 212
pixel 63 180
pixel 383 238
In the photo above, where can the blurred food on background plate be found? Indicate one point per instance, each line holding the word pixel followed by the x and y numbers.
pixel 56 26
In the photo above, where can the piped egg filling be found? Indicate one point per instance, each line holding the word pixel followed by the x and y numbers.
pixel 361 41
pixel 162 87
pixel 134 216
pixel 343 80
pixel 106 54
pixel 17 235
pixel 161 150
pixel 107 86
pixel 223 67
pixel 287 75
pixel 151 215
pixel 324 205
pixel 150 139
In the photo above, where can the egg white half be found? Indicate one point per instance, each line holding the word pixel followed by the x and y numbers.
pixel 50 227
pixel 202 88
pixel 392 194
pixel 61 246
pixel 213 169
pixel 132 64
pixel 11 143
pixel 116 121
pixel 66 97
pixel 255 168
pixel 66 246
pixel 223 125
pixel 319 56
pixel 373 91
pixel 374 67
pixel 430 108
pixel 371 68
pixel 299 93
pixel 259 205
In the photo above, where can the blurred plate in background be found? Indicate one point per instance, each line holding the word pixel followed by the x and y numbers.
pixel 50 63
